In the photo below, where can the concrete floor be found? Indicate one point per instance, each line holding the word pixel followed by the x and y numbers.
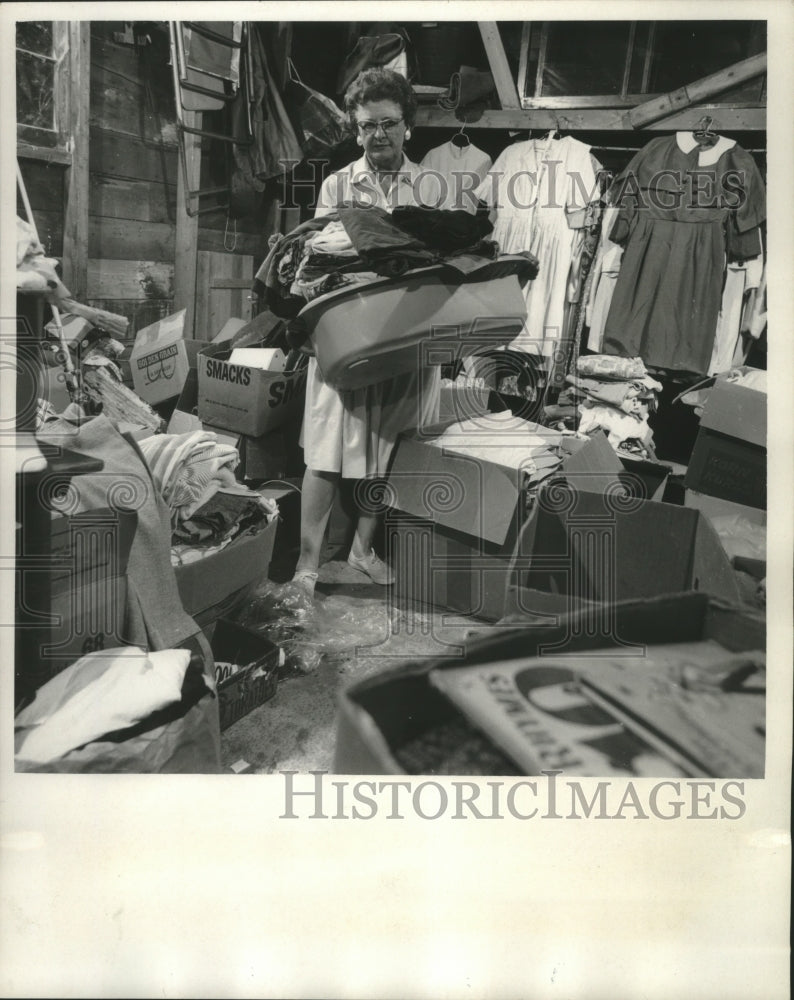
pixel 365 632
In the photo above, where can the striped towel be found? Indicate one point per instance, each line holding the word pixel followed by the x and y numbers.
pixel 188 469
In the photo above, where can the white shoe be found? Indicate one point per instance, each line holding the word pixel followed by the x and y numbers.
pixel 375 568
pixel 305 579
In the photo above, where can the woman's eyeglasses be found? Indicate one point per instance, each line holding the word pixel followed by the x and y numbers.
pixel 388 125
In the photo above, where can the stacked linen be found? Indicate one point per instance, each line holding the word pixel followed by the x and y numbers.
pixel 507 440
pixel 616 395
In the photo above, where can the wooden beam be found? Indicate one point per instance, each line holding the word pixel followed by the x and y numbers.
pixel 187 226
pixel 727 119
pixel 75 229
pixel 500 68
pixel 523 59
pixel 700 90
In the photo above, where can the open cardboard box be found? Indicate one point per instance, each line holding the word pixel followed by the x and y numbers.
pixel 381 714
pixel 256 680
pixel 589 547
pixel 209 583
pixel 729 457
pixel 161 358
pixel 246 400
pixel 455 520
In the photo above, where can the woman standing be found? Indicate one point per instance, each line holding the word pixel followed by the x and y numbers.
pixel 351 433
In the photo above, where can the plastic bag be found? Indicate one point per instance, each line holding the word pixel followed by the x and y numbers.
pixel 323 124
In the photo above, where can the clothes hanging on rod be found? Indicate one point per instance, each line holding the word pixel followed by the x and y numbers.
pixel 459 171
pixel 539 191
pixel 677 238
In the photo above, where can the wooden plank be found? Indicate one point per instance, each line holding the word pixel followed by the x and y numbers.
pixel 120 104
pixel 116 155
pixel 123 198
pixel 47 154
pixel 130 279
pixel 189 177
pixel 129 239
pixel 699 90
pixel 253 246
pixel 223 290
pixel 75 228
pixel 500 67
pixel 596 119
pixel 523 59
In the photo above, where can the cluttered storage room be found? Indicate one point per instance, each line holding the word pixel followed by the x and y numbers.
pixel 391 397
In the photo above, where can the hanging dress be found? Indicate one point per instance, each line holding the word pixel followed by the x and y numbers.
pixel 684 212
pixel 539 191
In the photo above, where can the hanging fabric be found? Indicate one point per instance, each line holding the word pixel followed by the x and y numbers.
pixel 684 210
pixel 539 191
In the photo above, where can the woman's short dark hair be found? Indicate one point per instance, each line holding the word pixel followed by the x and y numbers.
pixel 380 84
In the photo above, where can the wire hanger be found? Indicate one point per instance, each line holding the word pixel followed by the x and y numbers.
pixel 703 134
pixel 460 139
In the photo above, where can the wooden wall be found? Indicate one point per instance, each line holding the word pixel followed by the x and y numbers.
pixel 134 159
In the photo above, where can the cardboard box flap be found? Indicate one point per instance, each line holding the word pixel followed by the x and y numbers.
pixel 737 411
pixel 457 492
pixel 163 332
pixel 590 464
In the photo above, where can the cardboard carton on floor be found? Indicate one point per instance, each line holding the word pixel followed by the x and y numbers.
pixel 161 358
pixel 729 457
pixel 208 583
pixel 604 549
pixel 455 520
pixel 247 400
pixel 382 716
pixel 247 666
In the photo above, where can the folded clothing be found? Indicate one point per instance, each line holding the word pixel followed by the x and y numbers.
pixel 619 426
pixel 100 693
pixel 446 230
pixel 188 469
pixel 608 366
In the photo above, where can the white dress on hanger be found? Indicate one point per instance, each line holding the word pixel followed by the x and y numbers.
pixel 539 191
pixel 452 176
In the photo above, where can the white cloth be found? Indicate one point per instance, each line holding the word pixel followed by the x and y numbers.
pixel 99 694
pixel 189 469
pixel 538 191
pixel 453 176
pixel 739 279
pixel 353 431
pixel 502 438
pixel 617 425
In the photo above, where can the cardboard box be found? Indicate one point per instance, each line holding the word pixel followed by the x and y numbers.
pixel 604 549
pixel 715 507
pixel 92 544
pixel 455 520
pixel 85 618
pixel 161 358
pixel 246 400
pixel 209 582
pixel 729 457
pixel 263 457
pixel 652 475
pixel 381 714
pixel 256 680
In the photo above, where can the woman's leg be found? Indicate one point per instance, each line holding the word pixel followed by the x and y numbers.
pixel 319 489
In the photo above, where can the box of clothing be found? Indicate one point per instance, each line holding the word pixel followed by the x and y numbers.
pixel 161 358
pixel 248 393
pixel 698 712
pixel 460 495
pixel 125 710
pixel 383 327
pixel 589 546
pixel 209 582
pixel 246 670
pixel 729 457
